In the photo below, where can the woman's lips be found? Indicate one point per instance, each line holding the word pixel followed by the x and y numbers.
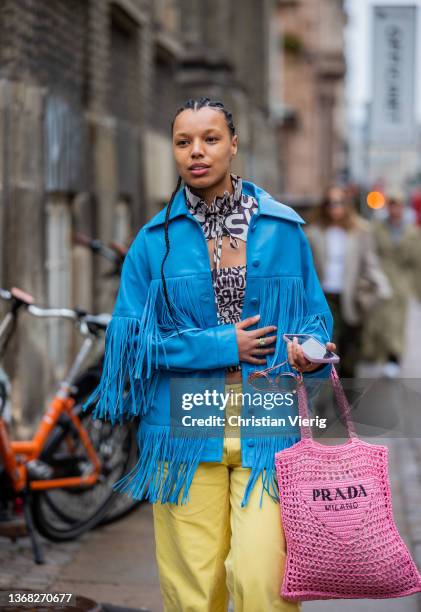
pixel 200 171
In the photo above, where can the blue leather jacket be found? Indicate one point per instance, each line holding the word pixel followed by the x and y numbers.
pixel 144 351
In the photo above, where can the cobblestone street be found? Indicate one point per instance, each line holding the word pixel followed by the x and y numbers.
pixel 116 564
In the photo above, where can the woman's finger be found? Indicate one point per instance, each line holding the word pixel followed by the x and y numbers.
pixel 268 340
pixel 296 349
pixel 261 351
pixel 248 321
pixel 259 332
pixel 256 361
pixel 290 353
pixel 300 359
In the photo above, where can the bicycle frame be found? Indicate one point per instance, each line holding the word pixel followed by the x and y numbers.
pixel 16 454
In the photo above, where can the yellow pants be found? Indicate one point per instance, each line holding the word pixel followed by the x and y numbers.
pixel 210 549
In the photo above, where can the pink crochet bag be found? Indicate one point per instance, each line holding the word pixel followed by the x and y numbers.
pixel 342 541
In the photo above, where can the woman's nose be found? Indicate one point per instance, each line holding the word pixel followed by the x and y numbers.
pixel 197 148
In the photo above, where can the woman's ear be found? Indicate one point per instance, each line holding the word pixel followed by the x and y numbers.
pixel 234 146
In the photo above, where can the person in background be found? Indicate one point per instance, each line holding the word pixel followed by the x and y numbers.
pixel 349 271
pixel 416 205
pixel 397 242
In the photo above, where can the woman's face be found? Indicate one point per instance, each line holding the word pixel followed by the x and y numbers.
pixel 203 147
pixel 396 209
pixel 336 207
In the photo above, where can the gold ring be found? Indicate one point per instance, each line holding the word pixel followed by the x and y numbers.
pixel 262 341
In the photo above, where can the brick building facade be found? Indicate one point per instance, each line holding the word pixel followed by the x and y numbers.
pixel 87 92
pixel 310 95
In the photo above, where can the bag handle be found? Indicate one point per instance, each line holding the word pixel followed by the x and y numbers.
pixel 341 400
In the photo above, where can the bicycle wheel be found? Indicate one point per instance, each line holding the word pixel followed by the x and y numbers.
pixel 120 505
pixel 65 513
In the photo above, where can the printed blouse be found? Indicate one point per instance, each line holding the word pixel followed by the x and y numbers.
pixel 228 215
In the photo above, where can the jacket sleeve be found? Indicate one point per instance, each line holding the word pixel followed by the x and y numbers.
pixel 136 348
pixel 192 349
pixel 318 321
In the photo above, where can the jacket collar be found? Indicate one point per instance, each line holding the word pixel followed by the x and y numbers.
pixel 267 206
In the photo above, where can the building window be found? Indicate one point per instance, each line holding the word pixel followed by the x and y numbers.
pixel 164 103
pixel 124 92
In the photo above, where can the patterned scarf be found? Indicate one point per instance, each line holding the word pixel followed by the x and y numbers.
pixel 228 215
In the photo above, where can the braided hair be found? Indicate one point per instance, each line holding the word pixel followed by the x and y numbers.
pixel 201 103
pixel 193 105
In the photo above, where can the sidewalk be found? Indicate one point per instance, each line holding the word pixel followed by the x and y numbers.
pixel 116 564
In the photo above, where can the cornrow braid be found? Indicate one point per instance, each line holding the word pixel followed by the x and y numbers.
pixel 193 105
pixel 167 246
pixel 201 103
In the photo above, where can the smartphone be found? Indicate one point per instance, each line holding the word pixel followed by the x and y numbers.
pixel 313 350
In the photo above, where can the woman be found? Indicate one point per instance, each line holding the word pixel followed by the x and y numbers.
pixel 398 244
pixel 183 312
pixel 349 271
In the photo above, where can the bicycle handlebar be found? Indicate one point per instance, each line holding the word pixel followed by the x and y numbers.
pixel 62 313
pixel 5 295
pixel 89 323
pixel 115 252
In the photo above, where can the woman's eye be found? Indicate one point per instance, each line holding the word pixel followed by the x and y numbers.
pixel 181 143
pixel 211 139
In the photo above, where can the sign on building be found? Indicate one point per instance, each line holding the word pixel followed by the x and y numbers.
pixel 393 75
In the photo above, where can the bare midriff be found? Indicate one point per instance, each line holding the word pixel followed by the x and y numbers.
pixel 230 257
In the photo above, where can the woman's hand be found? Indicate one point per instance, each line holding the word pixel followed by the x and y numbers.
pixel 248 341
pixel 297 360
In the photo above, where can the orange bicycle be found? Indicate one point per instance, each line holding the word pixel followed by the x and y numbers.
pixel 64 474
